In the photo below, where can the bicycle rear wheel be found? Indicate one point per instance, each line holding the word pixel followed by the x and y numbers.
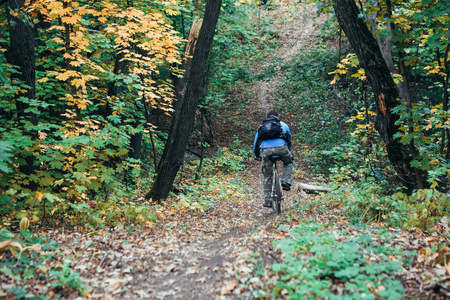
pixel 276 205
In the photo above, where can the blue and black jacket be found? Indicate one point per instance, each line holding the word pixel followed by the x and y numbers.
pixel 258 144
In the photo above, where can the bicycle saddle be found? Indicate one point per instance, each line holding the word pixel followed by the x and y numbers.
pixel 274 158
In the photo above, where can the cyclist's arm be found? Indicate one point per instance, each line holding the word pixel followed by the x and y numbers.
pixel 256 144
pixel 287 134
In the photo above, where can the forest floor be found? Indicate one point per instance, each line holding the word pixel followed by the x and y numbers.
pixel 217 254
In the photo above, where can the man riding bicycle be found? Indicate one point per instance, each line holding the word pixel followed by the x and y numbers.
pixel 273 138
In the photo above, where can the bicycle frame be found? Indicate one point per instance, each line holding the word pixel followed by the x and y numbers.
pixel 276 193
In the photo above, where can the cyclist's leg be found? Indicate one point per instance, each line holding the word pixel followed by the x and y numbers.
pixel 287 158
pixel 267 170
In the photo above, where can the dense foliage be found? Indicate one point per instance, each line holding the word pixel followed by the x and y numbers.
pixel 101 69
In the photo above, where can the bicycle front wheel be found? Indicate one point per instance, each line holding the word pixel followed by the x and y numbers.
pixel 276 205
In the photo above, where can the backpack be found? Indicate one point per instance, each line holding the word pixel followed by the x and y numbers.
pixel 270 129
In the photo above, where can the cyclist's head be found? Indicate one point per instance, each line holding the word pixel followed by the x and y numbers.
pixel 272 113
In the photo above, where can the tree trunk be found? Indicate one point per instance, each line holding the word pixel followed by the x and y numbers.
pixel 386 44
pixel 184 115
pixel 383 86
pixel 21 53
pixel 445 81
pixel 136 145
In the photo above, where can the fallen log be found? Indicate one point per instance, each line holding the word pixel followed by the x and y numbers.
pixel 313 188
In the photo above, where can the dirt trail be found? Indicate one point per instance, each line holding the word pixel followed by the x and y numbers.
pixel 196 256
pixel 297 26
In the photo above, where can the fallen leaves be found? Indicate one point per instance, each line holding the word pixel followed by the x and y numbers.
pixel 225 251
pixel 228 287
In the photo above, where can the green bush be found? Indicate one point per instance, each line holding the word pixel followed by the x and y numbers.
pixel 369 202
pixel 23 260
pixel 314 259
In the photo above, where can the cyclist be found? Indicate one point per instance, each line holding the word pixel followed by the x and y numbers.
pixel 264 148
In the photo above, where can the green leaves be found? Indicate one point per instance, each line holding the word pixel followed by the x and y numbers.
pixel 316 257
pixel 5 235
pixel 5 157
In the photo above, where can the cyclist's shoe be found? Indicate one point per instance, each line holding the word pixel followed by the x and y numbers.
pixel 286 186
pixel 267 203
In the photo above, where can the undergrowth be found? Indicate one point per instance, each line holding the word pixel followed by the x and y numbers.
pixel 331 264
pixel 367 202
pixel 24 256
pixel 199 189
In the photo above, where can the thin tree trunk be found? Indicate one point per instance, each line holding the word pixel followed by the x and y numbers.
pixel 445 81
pixel 183 119
pixel 383 86
pixel 136 144
pixel 202 141
pixel 21 53
pixel 68 65
pixel 409 102
pixel 147 119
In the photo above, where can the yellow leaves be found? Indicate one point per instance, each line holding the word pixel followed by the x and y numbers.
pixel 434 71
pixel 171 12
pixel 78 102
pixel 351 61
pixel 67 56
pixel 132 32
pixel 58 39
pixel 405 26
pixel 397 78
pixel 341 71
pixel 240 2
pixel 335 79
pixel 361 116
pixel 71 19
pixel 66 75
pixel 78 82
pixel 408 63
pixel 75 78
pixel 42 135
pixel 360 74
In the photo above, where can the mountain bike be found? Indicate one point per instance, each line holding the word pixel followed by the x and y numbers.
pixel 276 195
